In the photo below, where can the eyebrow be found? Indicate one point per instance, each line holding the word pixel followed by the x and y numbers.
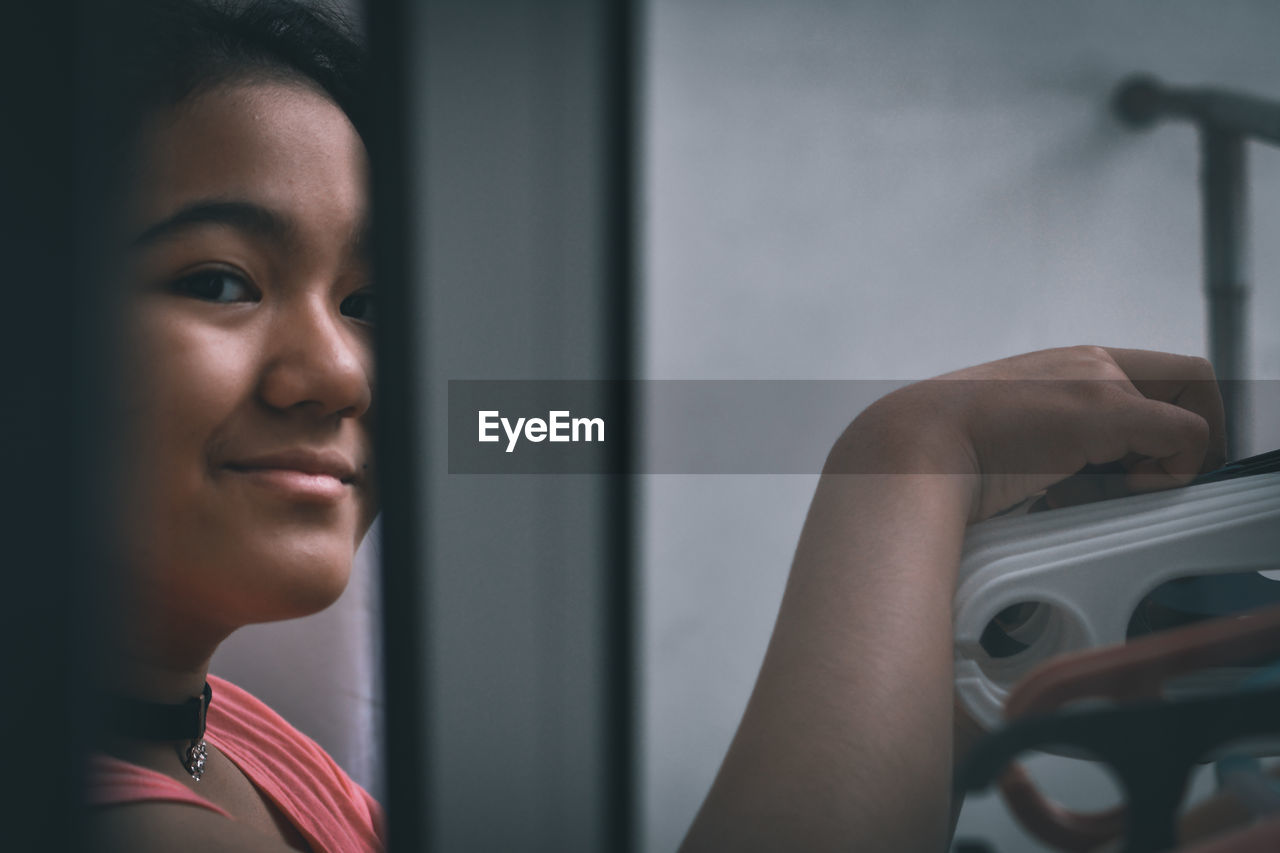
pixel 242 215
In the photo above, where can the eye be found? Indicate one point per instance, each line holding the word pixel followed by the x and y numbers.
pixel 359 306
pixel 214 285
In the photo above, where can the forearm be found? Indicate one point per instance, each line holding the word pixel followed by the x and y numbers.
pixel 846 742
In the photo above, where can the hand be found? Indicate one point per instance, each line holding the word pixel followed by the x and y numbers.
pixel 1021 425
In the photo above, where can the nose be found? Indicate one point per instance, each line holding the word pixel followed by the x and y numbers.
pixel 317 361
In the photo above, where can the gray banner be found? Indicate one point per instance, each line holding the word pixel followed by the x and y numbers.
pixel 699 426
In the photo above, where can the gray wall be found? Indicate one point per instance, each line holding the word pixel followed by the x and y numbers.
pixel 891 189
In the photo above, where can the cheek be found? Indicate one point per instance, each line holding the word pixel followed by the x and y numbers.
pixel 185 383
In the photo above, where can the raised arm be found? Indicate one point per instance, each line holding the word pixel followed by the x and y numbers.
pixel 847 741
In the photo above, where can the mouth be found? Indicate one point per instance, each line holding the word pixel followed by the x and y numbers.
pixel 309 476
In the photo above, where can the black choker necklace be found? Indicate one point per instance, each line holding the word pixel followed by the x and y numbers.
pixel 157 721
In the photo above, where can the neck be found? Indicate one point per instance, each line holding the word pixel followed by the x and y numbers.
pixel 155 657
pixel 156 681
pixel 156 714
pixel 153 681
pixel 158 653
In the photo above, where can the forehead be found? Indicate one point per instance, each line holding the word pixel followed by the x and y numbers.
pixel 281 145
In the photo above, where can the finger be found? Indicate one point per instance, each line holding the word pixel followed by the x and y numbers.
pixel 1205 399
pixel 1149 366
pixel 1172 443
pixel 1163 445
pixel 1184 381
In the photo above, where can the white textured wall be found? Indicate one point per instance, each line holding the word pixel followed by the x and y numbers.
pixel 890 189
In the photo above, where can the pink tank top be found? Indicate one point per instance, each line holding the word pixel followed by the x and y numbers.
pixel 333 813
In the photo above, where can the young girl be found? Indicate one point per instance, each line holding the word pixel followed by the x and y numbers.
pixel 249 331
pixel 249 350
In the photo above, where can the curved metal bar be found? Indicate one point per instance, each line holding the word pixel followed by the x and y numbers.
pixel 1143 100
pixel 1150 746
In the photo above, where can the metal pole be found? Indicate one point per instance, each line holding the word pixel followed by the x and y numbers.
pixel 1223 194
pixel 1226 121
pixel 401 469
pixel 618 67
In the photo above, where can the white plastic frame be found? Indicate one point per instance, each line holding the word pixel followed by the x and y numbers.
pixel 1092 565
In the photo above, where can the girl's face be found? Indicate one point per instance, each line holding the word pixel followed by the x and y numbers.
pixel 251 357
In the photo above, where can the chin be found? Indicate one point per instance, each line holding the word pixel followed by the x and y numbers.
pixel 243 571
pixel 302 587
pixel 269 578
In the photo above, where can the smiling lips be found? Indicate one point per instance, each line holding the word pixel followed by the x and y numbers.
pixel 311 476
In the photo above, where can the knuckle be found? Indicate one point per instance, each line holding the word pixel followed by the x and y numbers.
pixel 1094 352
pixel 1094 356
pixel 1200 367
pixel 1100 364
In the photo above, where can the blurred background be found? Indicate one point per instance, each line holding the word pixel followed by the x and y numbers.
pixel 889 189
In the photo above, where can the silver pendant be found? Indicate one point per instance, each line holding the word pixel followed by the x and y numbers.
pixel 194 757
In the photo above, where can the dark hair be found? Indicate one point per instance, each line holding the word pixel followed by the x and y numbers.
pixel 180 48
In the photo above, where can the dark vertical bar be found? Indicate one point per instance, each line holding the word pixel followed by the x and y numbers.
pixel 37 227
pixel 526 119
pixel 619 66
pixel 400 467
pixel 54 194
pixel 1225 268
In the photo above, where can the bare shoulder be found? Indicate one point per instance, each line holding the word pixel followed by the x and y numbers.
pixel 152 827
